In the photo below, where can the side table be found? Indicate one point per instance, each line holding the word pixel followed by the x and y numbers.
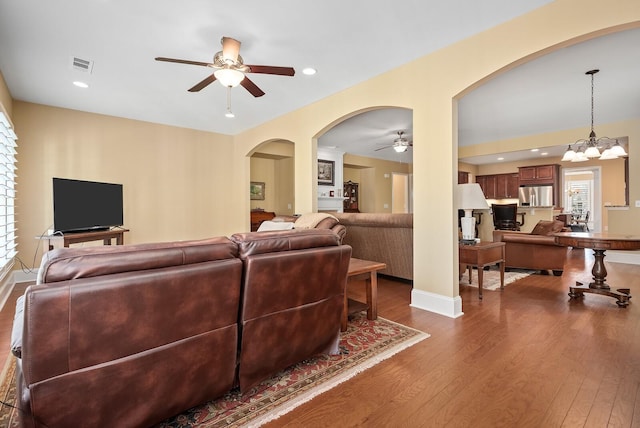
pixel 481 255
pixel 362 269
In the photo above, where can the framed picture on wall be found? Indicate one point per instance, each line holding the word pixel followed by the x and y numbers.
pixel 326 172
pixel 256 191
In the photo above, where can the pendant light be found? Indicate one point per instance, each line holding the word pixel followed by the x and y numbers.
pixel 586 149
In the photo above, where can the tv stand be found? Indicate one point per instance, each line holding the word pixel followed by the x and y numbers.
pixel 77 237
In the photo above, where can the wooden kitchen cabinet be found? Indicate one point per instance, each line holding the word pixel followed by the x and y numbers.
pixel 499 186
pixel 539 174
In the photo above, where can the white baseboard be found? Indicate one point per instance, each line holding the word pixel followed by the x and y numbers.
pixel 628 257
pixel 21 276
pixel 442 305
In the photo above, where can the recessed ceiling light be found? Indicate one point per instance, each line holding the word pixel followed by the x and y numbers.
pixel 500 158
pixel 544 154
pixel 534 150
pixel 80 84
pixel 309 71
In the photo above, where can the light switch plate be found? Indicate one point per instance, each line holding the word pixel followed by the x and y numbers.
pixel 637 204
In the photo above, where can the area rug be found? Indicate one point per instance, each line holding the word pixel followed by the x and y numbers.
pixel 363 345
pixel 491 277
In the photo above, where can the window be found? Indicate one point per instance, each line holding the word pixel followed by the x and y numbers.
pixel 7 193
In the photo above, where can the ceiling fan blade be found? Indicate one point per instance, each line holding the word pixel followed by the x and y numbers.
pixel 184 61
pixel 204 83
pixel 251 87
pixel 381 148
pixel 267 69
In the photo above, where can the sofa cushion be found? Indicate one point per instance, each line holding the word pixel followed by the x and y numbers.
pixel 547 227
pixel 252 243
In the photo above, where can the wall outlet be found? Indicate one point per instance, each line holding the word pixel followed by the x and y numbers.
pixel 386 206
pixel 289 206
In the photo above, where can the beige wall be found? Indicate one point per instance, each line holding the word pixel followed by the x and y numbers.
pixel 175 180
pixel 272 163
pixel 181 183
pixel 374 179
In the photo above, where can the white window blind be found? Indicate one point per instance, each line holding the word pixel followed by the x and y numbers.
pixel 7 192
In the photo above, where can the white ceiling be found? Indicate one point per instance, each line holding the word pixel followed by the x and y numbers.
pixel 347 42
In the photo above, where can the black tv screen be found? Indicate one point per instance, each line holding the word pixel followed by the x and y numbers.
pixel 86 205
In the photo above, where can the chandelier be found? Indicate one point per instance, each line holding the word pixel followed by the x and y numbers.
pixel 602 148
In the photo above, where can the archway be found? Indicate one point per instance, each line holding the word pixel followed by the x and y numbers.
pixel 272 178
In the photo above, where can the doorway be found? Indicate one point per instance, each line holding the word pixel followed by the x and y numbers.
pixel 401 192
pixel 582 194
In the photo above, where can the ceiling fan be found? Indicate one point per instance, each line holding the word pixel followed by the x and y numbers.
pixel 230 69
pixel 400 144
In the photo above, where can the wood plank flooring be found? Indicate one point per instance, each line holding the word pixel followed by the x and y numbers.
pixel 523 357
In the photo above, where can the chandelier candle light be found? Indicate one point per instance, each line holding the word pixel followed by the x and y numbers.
pixel 584 150
pixel 469 198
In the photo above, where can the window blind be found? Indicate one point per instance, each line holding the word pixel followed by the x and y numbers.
pixel 7 192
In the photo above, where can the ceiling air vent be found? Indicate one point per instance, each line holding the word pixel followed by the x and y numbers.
pixel 82 65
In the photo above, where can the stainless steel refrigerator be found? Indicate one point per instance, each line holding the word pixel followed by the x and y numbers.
pixel 536 196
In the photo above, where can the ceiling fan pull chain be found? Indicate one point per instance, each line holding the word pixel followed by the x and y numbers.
pixel 229 113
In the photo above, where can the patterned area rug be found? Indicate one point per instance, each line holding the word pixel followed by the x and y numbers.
pixel 491 277
pixel 363 345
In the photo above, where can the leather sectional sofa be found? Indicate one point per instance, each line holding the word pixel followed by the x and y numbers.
pixel 131 335
pixel 536 250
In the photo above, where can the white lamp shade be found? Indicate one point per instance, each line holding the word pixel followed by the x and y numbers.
pixel 618 150
pixel 608 154
pixel 400 149
pixel 470 197
pixel 580 157
pixel 592 152
pixel 569 155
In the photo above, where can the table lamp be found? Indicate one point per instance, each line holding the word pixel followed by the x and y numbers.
pixel 469 198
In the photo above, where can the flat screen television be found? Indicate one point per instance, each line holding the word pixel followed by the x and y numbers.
pixel 80 206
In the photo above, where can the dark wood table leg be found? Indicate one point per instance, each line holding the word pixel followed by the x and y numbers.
pixel 345 310
pixel 372 296
pixel 480 274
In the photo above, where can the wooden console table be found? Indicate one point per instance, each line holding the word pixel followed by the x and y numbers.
pixel 74 238
pixel 599 243
pixel 368 271
pixel 481 255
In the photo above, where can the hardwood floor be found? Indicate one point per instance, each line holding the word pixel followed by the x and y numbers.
pixel 523 357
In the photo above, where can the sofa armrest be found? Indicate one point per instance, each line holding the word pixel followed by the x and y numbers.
pixel 530 239
pixel 498 235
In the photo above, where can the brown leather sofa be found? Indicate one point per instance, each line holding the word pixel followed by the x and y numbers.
pixel 536 250
pixel 128 336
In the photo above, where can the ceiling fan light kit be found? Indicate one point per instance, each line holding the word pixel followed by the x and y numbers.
pixel 231 71
pixel 586 149
pixel 400 144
